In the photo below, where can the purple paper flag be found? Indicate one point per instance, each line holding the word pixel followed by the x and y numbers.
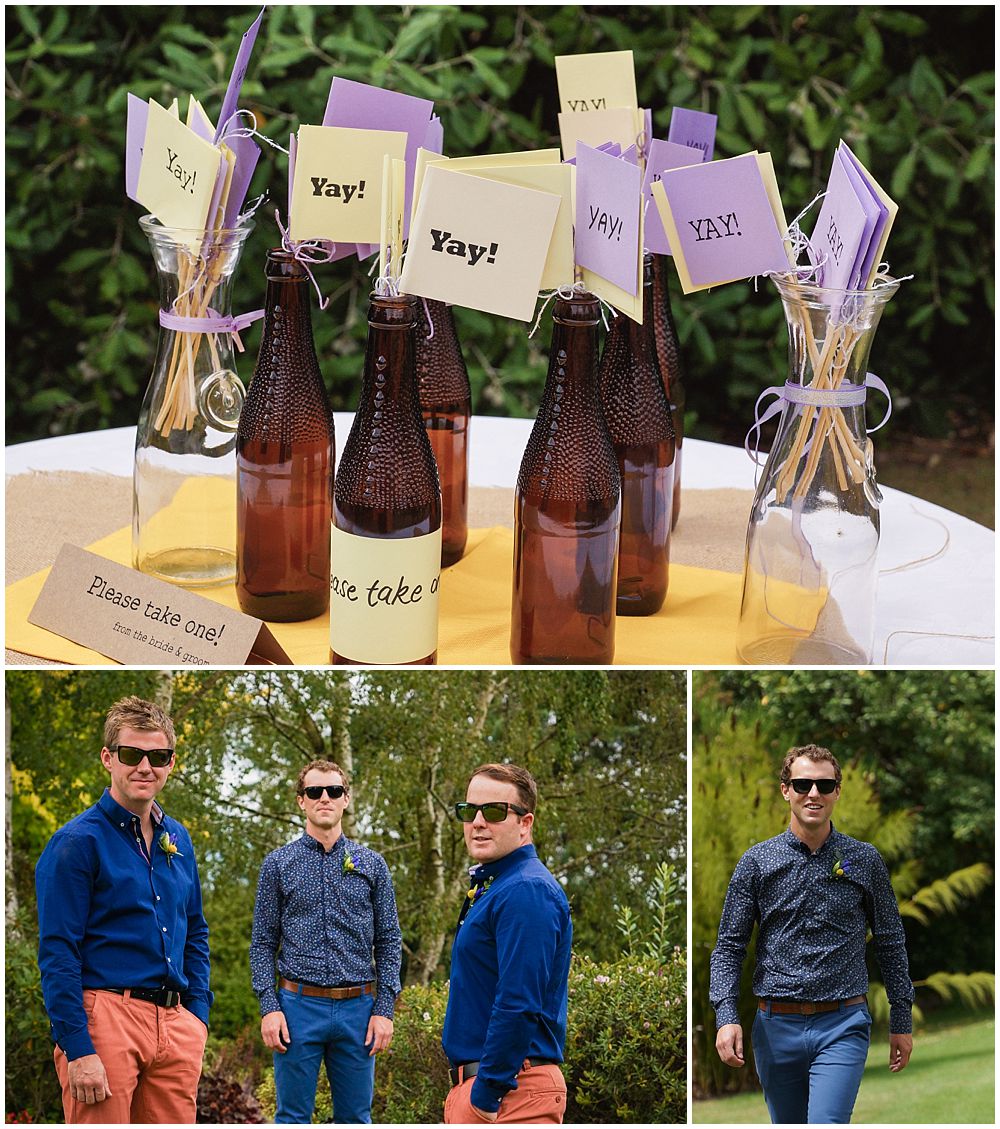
pixel 136 118
pixel 612 148
pixel 854 166
pixel 434 138
pixel 843 229
pixel 607 216
pixel 631 154
pixel 247 154
pixel 724 220
pixel 693 128
pixel 356 105
pixel 232 98
pixel 663 155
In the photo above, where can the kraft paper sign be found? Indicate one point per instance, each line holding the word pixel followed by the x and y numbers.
pixel 601 80
pixel 141 621
pixel 597 126
pixel 723 219
pixel 336 192
pixel 479 243
pixel 178 171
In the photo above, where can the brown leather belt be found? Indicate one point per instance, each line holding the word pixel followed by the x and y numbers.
pixel 804 1007
pixel 328 993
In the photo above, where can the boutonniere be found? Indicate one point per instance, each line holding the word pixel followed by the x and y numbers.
pixel 476 891
pixel 168 844
pixel 841 869
pixel 348 864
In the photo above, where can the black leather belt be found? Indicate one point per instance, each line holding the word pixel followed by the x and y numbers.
pixel 162 997
pixel 459 1071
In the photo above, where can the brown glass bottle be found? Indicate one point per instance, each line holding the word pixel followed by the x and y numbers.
pixel 386 529
pixel 668 356
pixel 567 508
pixel 284 461
pixel 642 433
pixel 446 405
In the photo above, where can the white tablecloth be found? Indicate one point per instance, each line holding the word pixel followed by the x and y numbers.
pixel 936 589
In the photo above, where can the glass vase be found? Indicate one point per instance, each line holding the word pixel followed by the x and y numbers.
pixel 810 567
pixel 184 479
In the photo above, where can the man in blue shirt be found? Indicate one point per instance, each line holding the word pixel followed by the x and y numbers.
pixel 325 915
pixel 815 892
pixel 123 944
pixel 505 1025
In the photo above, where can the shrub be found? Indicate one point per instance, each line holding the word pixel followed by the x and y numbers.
pixel 911 91
pixel 625 1050
pixel 32 1089
pixel 233 1068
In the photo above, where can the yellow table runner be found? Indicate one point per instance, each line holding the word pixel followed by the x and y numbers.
pixel 695 626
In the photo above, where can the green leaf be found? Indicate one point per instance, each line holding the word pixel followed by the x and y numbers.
pixel 490 78
pixel 29 21
pixel 417 32
pixel 979 163
pixel 903 175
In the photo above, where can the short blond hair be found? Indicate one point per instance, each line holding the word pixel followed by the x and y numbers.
pixel 815 753
pixel 136 713
pixel 323 766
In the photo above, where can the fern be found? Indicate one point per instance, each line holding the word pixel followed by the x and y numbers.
pixel 946 895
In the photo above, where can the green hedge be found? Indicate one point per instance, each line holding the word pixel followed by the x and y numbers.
pixel 910 90
pixel 625 1050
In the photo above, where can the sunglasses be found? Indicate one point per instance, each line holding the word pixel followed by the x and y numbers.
pixel 314 791
pixel 804 787
pixel 130 755
pixel 495 812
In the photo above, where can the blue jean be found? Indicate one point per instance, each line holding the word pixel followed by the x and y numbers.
pixel 811 1065
pixel 330 1031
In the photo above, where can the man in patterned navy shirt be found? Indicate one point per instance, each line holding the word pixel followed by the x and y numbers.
pixel 325 915
pixel 814 892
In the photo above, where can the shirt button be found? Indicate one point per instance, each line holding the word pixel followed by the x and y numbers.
pixel 157 897
pixel 168 960
pixel 121 824
pixel 164 929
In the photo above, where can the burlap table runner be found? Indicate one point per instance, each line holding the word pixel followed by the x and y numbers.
pixel 46 509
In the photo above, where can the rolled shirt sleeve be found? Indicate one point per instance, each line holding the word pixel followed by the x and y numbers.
pixel 739 913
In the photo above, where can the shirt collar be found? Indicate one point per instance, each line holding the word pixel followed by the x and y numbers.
pixel 501 866
pixel 115 812
pixel 795 842
pixel 315 845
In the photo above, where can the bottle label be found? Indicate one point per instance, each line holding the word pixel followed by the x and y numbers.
pixel 384 597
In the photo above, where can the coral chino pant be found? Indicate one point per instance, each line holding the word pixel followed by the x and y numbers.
pixel 152 1056
pixel 540 1099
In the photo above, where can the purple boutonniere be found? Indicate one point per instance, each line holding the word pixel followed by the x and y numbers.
pixel 841 869
pixel 168 844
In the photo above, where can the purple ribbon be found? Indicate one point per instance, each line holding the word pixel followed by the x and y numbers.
pixel 213 323
pixel 846 396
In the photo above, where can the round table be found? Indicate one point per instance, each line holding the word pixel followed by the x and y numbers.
pixel 936 588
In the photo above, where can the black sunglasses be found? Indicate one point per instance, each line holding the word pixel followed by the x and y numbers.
pixel 495 812
pixel 130 755
pixel 804 787
pixel 314 791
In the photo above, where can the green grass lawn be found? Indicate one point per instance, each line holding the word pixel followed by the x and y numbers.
pixel 949 1081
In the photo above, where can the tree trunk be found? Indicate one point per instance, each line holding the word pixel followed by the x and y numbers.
pixel 11 918
pixel 163 695
pixel 342 751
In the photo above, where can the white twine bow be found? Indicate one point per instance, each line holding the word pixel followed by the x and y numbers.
pixel 308 252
